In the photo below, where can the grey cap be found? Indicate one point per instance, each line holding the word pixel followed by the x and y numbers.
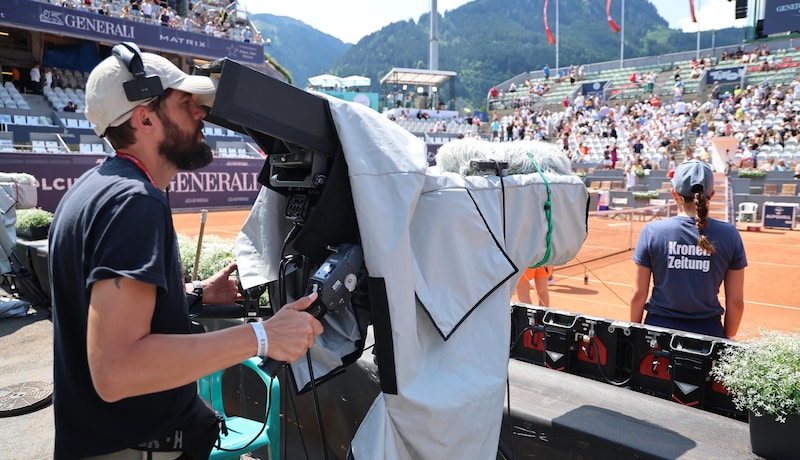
pixel 693 176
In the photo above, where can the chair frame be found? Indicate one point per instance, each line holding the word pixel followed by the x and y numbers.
pixel 239 442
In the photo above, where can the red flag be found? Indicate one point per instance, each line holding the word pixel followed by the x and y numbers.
pixel 691 10
pixel 550 37
pixel 611 23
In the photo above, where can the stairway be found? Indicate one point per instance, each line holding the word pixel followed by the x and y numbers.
pixel 720 207
pixel 37 101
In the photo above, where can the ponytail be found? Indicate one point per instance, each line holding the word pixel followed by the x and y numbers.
pixel 701 222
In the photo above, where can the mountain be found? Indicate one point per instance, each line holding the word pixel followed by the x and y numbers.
pixel 487 42
pixel 299 48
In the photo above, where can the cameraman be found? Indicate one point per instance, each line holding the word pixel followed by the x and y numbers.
pixel 125 362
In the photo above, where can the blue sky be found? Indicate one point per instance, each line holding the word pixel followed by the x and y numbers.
pixel 350 20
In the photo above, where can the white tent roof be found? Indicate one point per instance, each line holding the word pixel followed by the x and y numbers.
pixel 356 80
pixel 419 77
pixel 326 81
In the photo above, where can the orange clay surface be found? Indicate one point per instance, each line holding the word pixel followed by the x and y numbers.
pixel 772 278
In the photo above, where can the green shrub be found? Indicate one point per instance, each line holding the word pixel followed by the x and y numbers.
pixel 648 194
pixel 28 219
pixel 216 254
pixel 763 374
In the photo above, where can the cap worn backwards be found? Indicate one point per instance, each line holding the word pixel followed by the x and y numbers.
pixel 693 176
pixel 106 102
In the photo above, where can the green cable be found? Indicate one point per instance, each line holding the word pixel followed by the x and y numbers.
pixel 548 214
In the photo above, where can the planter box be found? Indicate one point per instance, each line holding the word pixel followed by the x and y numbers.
pixel 31 234
pixel 772 439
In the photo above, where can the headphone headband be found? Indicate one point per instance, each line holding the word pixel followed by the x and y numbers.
pixel 141 87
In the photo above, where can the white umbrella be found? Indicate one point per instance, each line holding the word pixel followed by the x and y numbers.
pixel 326 81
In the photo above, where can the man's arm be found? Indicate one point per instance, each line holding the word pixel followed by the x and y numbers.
pixel 734 301
pixel 126 360
pixel 641 288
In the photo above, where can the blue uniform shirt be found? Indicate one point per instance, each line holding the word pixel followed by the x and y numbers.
pixel 686 279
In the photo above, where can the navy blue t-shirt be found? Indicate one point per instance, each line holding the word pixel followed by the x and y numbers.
pixel 686 279
pixel 112 223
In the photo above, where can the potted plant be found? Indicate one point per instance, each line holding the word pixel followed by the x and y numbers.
pixel 645 195
pixel 763 377
pixel 751 173
pixel 33 223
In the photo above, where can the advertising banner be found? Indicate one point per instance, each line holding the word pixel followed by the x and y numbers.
pixel 727 75
pixel 594 88
pixel 779 215
pixel 225 183
pixel 49 18
pixel 781 16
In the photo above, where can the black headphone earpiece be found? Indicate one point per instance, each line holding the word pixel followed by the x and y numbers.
pixel 147 122
pixel 142 86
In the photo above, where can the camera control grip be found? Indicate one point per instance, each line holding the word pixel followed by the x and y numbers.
pixel 334 282
pixel 271 366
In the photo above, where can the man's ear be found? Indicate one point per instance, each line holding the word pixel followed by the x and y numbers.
pixel 141 118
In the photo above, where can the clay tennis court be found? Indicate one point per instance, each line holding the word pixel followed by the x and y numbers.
pixel 772 280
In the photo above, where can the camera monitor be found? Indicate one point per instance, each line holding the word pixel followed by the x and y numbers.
pixel 293 127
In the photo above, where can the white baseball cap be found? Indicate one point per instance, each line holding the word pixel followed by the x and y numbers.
pixel 106 102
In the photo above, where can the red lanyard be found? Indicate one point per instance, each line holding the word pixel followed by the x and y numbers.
pixel 139 164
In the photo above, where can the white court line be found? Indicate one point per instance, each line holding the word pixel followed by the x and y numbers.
pixel 612 283
pixel 772 264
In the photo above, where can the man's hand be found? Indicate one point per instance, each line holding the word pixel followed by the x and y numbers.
pixel 221 289
pixel 291 331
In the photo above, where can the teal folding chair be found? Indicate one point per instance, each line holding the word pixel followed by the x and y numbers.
pixel 241 430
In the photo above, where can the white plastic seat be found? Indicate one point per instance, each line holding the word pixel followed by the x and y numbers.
pixel 747 209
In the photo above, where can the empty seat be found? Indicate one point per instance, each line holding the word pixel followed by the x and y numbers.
pixel 789 189
pixel 52 146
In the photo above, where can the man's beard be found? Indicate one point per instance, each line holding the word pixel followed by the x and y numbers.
pixel 182 149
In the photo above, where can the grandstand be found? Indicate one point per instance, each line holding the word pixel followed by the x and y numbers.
pixel 35 120
pixel 756 108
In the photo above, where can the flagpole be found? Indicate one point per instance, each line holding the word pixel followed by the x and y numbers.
pixel 622 39
pixel 558 42
pixel 698 34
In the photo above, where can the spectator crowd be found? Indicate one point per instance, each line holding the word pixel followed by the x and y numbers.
pixel 217 18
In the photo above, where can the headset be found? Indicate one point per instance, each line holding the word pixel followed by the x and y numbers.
pixel 142 86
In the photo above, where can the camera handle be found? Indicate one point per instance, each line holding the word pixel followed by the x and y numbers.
pixel 271 366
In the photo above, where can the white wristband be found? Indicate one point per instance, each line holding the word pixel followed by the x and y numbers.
pixel 261 336
pixel 197 285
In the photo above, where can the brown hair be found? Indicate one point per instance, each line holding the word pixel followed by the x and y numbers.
pixel 701 221
pixel 123 135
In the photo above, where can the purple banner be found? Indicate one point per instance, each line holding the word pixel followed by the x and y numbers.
pixel 96 27
pixel 781 16
pixel 225 183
